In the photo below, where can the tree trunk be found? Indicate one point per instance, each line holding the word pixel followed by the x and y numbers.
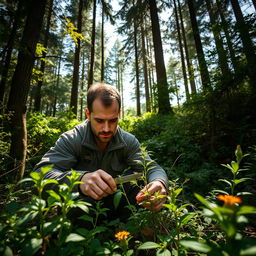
pixel 37 103
pixel 90 75
pixel 75 80
pixel 246 41
pixel 181 52
pixel 222 56
pixel 164 106
pixel 189 66
pixel 145 69
pixel 254 3
pixel 137 70
pixel 57 85
pixel 199 48
pixel 150 74
pixel 21 83
pixel 224 25
pixel 7 60
pixel 102 45
pixel 82 112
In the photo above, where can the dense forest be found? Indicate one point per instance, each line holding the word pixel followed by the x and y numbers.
pixel 186 71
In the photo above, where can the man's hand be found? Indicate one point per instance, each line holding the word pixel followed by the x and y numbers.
pixel 152 196
pixel 97 184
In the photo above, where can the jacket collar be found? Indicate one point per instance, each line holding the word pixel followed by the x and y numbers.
pixel 117 141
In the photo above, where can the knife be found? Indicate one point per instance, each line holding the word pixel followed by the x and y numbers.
pixel 128 178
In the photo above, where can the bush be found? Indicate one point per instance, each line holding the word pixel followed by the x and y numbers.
pixel 43 131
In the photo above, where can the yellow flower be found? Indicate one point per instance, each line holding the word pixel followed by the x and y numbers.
pixel 230 200
pixel 122 235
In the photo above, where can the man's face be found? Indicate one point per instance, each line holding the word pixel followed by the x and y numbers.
pixel 104 121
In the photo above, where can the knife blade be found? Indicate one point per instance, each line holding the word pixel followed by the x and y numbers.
pixel 128 178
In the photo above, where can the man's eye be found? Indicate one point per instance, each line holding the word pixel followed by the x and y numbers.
pixel 99 120
pixel 113 120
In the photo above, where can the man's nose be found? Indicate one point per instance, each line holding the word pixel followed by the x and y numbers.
pixel 106 127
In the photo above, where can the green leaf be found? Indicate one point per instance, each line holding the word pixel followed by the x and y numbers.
pixel 228 166
pixel 83 207
pixel 249 251
pixel 35 176
pixel 32 246
pixel 186 218
pixel 244 194
pixel 177 192
pixel 73 237
pixel 226 181
pixel 129 252
pixel 50 227
pixel 163 252
pixel 6 251
pixel 86 218
pixel 149 245
pixel 235 166
pixel 220 192
pixel 237 181
pixel 117 198
pixel 196 246
pixel 46 169
pixel 24 180
pixel 246 210
pixel 28 217
pixel 54 195
pixel 49 181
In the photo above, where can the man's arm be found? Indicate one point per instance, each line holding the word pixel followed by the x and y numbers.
pixel 63 157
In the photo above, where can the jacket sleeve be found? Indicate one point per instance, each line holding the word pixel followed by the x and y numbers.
pixel 63 156
pixel 154 171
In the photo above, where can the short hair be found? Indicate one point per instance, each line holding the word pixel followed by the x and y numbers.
pixel 105 92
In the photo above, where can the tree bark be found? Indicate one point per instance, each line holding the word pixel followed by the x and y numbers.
pixel 90 75
pixel 145 69
pixel 222 56
pixel 102 45
pixel 75 80
pixel 254 4
pixel 189 66
pixel 82 112
pixel 137 70
pixel 246 41
pixel 7 60
pixel 199 48
pixel 181 51
pixel 224 25
pixel 21 83
pixel 164 106
pixel 37 102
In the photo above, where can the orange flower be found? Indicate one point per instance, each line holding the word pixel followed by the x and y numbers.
pixel 122 235
pixel 230 200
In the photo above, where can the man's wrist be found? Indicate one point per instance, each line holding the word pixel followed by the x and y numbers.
pixel 163 182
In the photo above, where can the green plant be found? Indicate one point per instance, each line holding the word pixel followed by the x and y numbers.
pixel 235 169
pixel 36 226
pixel 229 218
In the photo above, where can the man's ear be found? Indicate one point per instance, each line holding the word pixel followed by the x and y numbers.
pixel 87 112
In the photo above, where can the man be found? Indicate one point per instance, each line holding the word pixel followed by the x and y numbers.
pixel 100 151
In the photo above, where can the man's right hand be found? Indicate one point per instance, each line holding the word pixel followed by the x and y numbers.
pixel 97 184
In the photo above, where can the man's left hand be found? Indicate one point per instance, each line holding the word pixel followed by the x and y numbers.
pixel 152 196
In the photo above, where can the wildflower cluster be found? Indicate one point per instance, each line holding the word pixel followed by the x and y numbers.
pixel 229 200
pixel 122 235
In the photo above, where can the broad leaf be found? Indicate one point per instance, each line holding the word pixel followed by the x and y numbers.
pixel 196 246
pixel 73 237
pixel 149 245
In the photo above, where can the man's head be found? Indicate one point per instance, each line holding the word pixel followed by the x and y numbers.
pixel 106 93
pixel 103 111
